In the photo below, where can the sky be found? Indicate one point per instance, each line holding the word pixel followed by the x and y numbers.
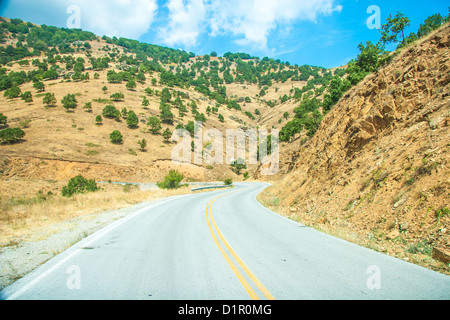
pixel 323 33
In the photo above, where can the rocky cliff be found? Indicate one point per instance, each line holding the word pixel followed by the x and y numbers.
pixel 378 165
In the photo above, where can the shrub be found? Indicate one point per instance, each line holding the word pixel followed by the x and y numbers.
pixel 88 107
pixel 142 144
pixel 117 96
pixel 39 86
pixel 132 119
pixel 49 99
pixel 3 120
pixel 171 181
pixel 13 92
pixel 238 165
pixel 154 124
pixel 11 135
pixel 79 184
pixel 228 181
pixel 69 102
pixel 111 112
pixel 167 134
pixel 116 137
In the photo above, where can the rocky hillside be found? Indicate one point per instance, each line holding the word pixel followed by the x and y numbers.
pixel 377 168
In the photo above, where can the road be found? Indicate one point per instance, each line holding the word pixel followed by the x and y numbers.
pixel 222 245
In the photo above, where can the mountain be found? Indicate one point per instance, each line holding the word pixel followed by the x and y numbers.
pixel 229 92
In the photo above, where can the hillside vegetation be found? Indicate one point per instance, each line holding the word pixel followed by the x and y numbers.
pixel 69 90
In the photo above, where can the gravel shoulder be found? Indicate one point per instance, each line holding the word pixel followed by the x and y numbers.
pixel 19 259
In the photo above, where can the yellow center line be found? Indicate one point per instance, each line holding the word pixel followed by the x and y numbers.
pixel 245 284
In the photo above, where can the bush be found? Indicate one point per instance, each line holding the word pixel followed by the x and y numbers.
pixel 132 119
pixel 11 135
pixel 49 99
pixel 228 181
pixel 238 165
pixel 3 120
pixel 154 124
pixel 111 112
pixel 13 92
pixel 79 184
pixel 117 96
pixel 69 102
pixel 27 96
pixel 171 181
pixel 116 137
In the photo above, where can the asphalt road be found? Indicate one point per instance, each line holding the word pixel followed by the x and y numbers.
pixel 222 245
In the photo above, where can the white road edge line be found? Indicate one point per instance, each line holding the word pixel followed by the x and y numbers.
pixel 83 243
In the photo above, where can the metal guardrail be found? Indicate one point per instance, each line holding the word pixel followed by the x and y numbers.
pixel 211 187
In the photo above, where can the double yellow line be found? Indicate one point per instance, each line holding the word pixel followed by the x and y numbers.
pixel 213 226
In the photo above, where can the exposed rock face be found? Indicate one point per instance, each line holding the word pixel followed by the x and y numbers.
pixel 379 161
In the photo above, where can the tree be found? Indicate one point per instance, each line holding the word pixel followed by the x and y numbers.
pixel 431 23
pixel 49 99
pixel 167 134
pixel 312 122
pixel 131 84
pixel 88 107
pixel 111 112
pixel 166 114
pixel 11 135
pixel 370 59
pixel 3 120
pixel 69 102
pixel 79 184
pixel 116 137
pixel 154 124
pixel 200 117
pixel 13 92
pixel 291 129
pixel 165 95
pixel 104 89
pixel 51 74
pixel 142 144
pixel 27 96
pixel 394 28
pixel 132 119
pixel 39 86
pixel 117 96
pixel 145 102
pixel 238 165
pixel 221 118
pixel 98 120
pixel 171 181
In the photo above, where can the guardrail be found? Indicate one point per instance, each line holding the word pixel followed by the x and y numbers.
pixel 211 187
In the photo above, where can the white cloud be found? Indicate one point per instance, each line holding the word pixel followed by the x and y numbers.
pixel 186 20
pixel 253 20
pixel 121 18
pixel 250 22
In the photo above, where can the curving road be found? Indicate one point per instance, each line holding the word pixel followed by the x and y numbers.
pixel 222 245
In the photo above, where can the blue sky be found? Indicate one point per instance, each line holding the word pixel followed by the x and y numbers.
pixel 315 32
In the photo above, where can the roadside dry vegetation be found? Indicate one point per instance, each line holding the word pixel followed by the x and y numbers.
pixel 28 206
